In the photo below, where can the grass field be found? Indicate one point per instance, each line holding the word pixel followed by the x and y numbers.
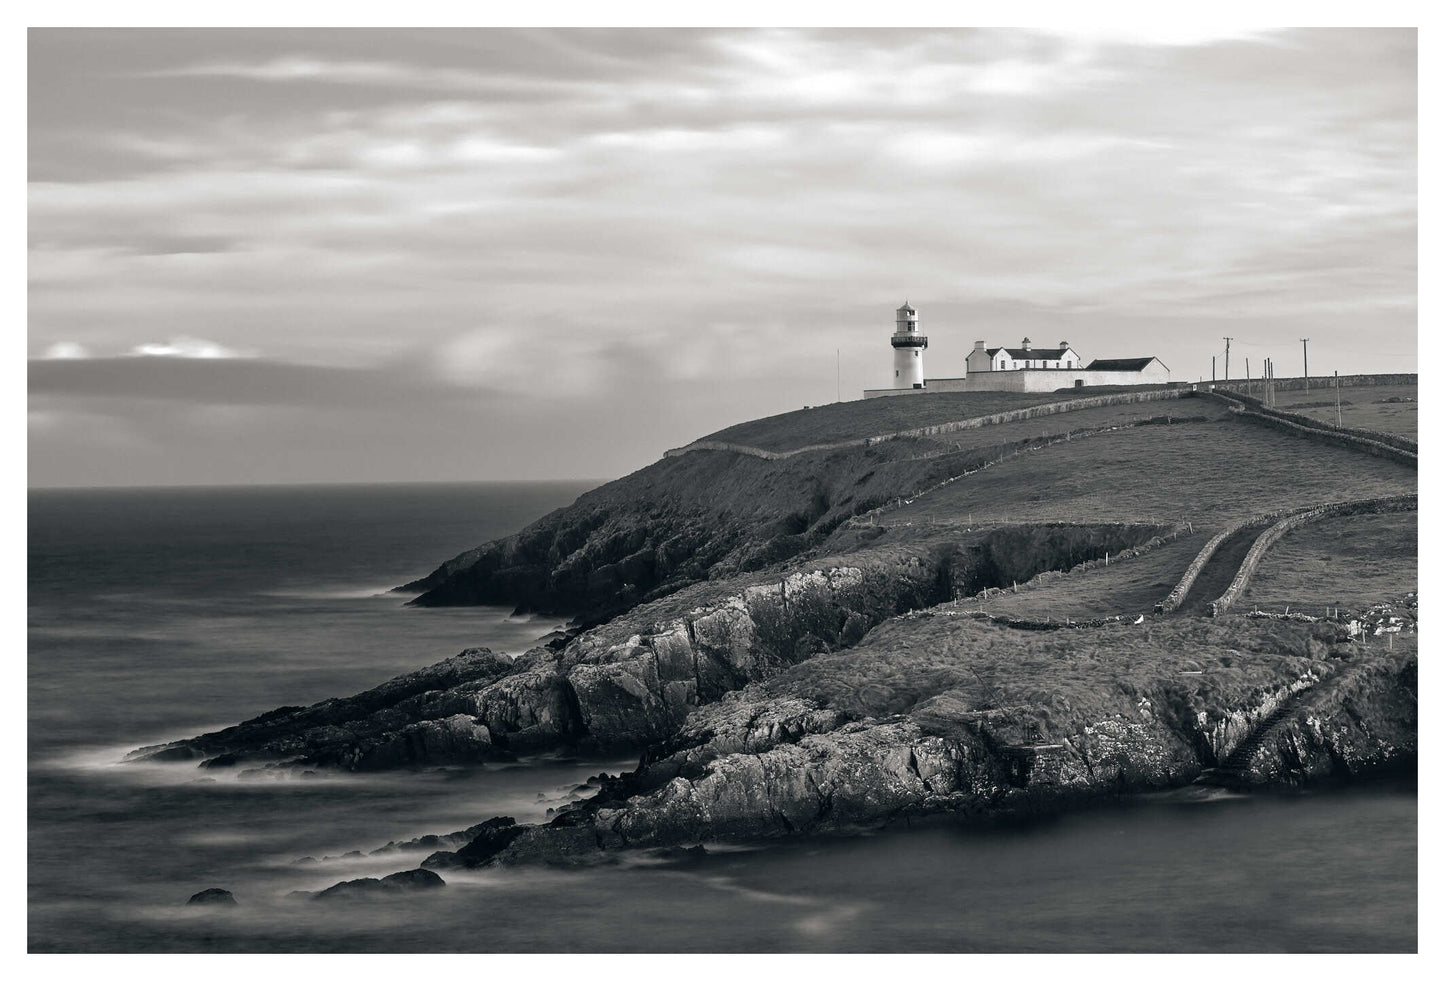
pixel 871 417
pixel 1351 562
pixel 1082 419
pixel 1131 586
pixel 1362 407
pixel 1209 473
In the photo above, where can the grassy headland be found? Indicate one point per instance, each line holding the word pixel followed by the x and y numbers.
pixel 961 622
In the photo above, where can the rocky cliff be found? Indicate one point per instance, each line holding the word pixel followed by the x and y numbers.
pixel 844 742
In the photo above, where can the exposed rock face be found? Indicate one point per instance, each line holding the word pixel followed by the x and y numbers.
pixel 1363 721
pixel 212 897
pixel 457 738
pixel 608 690
pixel 759 764
pixel 371 729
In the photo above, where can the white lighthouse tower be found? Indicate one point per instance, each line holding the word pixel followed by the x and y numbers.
pixel 908 347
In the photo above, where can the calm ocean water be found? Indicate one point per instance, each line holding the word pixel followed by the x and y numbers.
pixel 162 613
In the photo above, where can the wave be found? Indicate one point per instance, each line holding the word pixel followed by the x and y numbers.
pixel 351 592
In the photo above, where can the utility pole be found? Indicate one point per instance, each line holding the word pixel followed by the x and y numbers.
pixel 1306 342
pixel 1226 357
pixel 1339 420
pixel 1248 384
pixel 1213 359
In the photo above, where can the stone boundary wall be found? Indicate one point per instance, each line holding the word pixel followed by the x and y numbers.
pixel 975 422
pixel 1251 404
pixel 1032 412
pixel 1321 382
pixel 1379 505
pixel 1334 437
pixel 726 447
pixel 1177 595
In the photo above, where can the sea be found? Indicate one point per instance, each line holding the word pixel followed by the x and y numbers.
pixel 161 613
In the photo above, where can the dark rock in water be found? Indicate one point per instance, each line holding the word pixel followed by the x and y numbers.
pixel 177 754
pixel 553 845
pixel 433 843
pixel 494 836
pixel 491 838
pixel 411 880
pixel 442 860
pixel 352 888
pixel 212 897
pixel 678 855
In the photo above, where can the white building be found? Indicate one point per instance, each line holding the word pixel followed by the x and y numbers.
pixel 1026 357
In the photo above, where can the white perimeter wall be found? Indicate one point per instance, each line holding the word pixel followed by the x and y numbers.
pixel 1031 380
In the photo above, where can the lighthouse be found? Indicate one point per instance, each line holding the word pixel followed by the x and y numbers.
pixel 908 345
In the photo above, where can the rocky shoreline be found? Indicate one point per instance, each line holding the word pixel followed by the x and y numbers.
pixel 838 741
pixel 782 666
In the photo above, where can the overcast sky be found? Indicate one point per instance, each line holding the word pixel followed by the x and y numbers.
pixel 285 256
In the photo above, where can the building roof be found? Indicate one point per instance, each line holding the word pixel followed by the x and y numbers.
pixel 1120 364
pixel 1032 354
pixel 906 308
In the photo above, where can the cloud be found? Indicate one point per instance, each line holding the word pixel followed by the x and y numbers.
pixel 187 347
pixel 528 219
pixel 65 350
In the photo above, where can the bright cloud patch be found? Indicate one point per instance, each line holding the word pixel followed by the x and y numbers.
pixel 187 347
pixel 64 350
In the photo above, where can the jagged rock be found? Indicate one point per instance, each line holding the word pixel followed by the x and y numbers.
pixel 455 739
pixel 491 837
pixel 212 897
pixel 1362 721
pixel 347 731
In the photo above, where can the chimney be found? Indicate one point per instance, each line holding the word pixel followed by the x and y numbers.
pixel 1026 344
pixel 978 345
pixel 1063 345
